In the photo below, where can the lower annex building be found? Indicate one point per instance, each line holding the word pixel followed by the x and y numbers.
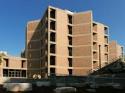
pixel 12 67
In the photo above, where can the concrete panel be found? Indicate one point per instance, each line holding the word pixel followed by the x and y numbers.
pixel 82 29
pixel 82 51
pixel 82 62
pixel 82 40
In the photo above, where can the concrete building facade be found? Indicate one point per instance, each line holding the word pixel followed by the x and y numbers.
pixel 66 43
pixel 12 67
pixel 116 51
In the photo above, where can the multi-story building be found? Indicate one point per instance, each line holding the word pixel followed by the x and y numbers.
pixel 12 67
pixel 65 43
pixel 116 51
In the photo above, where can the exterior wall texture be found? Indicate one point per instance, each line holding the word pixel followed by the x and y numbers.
pixel 82 43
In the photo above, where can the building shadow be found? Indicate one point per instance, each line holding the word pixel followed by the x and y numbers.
pixel 116 67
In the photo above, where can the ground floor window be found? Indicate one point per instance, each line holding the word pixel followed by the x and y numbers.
pixel 14 73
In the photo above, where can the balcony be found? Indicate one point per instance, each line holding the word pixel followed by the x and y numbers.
pixel 52 48
pixel 106 48
pixel 95 46
pixel 52 25
pixel 94 36
pixel 70 62
pixel 106 30
pixel 70 71
pixel 52 36
pixel 52 13
pixel 70 19
pixel 106 57
pixel 106 39
pixel 70 29
pixel 95 65
pixel 6 62
pixel 23 64
pixel 52 71
pixel 70 40
pixel 95 56
pixel 70 51
pixel 94 27
pixel 52 60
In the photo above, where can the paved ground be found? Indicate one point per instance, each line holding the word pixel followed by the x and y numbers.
pixel 80 90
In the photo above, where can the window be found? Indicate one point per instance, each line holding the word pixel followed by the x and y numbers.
pixel 70 51
pixel 52 13
pixel 6 62
pixel 5 73
pixel 17 73
pixel 95 45
pixel 52 37
pixel 14 73
pixel 52 71
pixel 70 19
pixel 94 26
pixel 94 62
pixel 52 25
pixel 52 60
pixel 70 40
pixel 106 48
pixel 106 39
pixel 52 48
pixel 70 29
pixel 23 65
pixel 105 30
pixel 106 57
pixel 70 71
pixel 11 73
pixel 95 55
pixel 70 62
pixel 95 36
pixel 23 73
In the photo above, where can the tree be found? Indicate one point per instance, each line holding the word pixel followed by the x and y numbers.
pixel 1 57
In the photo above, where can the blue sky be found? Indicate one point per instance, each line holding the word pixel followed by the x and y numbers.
pixel 14 15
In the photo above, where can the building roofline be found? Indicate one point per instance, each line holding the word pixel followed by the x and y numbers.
pixel 32 21
pixel 100 23
pixel 14 57
pixel 69 10
pixel 66 10
pixel 83 12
